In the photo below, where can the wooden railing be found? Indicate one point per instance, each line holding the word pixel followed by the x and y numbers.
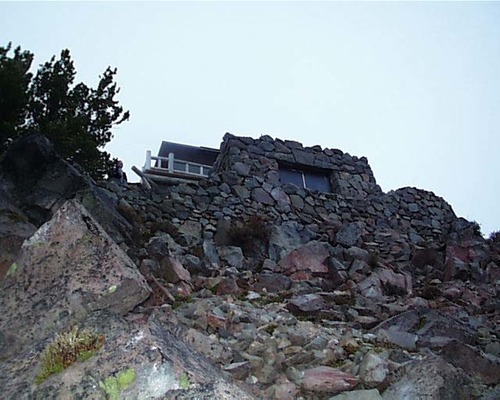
pixel 172 165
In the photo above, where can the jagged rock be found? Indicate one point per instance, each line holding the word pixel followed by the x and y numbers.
pixel 328 380
pixel 306 304
pixel 207 345
pixel 285 238
pixel 122 227
pixel 232 255
pixel 355 253
pixel 394 283
pixel 398 337
pixel 173 271
pixel 349 234
pixel 472 361
pixel 272 283
pixel 261 196
pixel 69 268
pixel 305 262
pixel 373 369
pixel 371 287
pixel 433 379
pixel 191 228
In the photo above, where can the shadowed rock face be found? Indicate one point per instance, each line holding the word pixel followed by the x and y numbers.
pixel 39 179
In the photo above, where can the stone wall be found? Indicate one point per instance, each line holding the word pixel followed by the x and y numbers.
pixel 245 182
pixel 244 160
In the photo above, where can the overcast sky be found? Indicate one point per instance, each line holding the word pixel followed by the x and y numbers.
pixel 414 87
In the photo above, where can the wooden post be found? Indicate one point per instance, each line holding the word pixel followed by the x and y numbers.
pixel 147 165
pixel 171 162
pixel 147 182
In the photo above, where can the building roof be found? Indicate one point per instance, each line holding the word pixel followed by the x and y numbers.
pixel 200 155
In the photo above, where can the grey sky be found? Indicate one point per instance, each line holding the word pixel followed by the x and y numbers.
pixel 414 87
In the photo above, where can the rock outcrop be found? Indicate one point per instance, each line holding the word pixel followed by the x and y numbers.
pixel 238 286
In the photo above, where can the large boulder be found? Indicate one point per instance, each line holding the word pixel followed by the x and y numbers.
pixel 68 269
pixel 431 378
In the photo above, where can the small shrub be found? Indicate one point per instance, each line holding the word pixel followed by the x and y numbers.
pixel 373 259
pixel 494 237
pixel 66 349
pixel 251 234
pixel 476 227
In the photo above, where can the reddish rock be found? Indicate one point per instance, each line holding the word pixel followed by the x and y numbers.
pixel 385 281
pixel 228 285
pixel 217 322
pixel 174 271
pixel 305 262
pixel 394 283
pixel 328 380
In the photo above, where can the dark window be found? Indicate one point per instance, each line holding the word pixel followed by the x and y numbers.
pixel 317 180
pixel 194 169
pixel 291 176
pixel 179 166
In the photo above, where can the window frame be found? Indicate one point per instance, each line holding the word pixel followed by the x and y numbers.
pixel 303 170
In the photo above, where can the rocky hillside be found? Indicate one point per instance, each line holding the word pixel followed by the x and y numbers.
pixel 237 288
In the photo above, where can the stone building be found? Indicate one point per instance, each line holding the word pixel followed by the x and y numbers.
pixel 326 190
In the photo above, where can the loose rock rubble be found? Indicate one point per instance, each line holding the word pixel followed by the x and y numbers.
pixel 241 287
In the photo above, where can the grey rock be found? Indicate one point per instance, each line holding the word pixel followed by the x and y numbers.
pixel 373 369
pixel 371 394
pixel 272 283
pixel 349 234
pixel 191 228
pixel 83 271
pixel 433 379
pixel 399 338
pixel 232 255
pixel 260 195
pixel 472 361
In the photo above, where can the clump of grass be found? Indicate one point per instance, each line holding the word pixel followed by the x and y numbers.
pixel 66 349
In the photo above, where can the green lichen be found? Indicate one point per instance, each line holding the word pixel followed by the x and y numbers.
pixel 184 381
pixel 66 349
pixel 421 323
pixel 112 289
pixel 12 270
pixel 114 385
